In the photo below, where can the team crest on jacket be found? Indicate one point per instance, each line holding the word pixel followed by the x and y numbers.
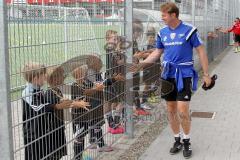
pixel 165 38
pixel 172 35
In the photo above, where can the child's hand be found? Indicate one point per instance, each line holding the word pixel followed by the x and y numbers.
pixel 138 55
pixel 119 77
pixel 120 62
pixel 135 60
pixel 218 28
pixel 80 104
pixel 99 86
pixel 66 103
pixel 63 99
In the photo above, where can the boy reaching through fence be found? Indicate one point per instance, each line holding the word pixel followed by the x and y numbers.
pixel 86 121
pixel 114 93
pixel 137 34
pixel 151 73
pixel 39 123
pixel 54 96
pixel 94 95
pixel 81 116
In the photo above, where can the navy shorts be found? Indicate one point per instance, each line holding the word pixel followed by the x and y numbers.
pixel 184 95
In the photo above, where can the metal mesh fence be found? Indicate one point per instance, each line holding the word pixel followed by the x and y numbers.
pixel 58 65
pixel 67 69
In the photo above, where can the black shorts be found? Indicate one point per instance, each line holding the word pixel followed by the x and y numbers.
pixel 110 94
pixel 237 38
pixel 81 129
pixel 184 95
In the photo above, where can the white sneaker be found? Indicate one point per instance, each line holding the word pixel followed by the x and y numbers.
pixel 145 106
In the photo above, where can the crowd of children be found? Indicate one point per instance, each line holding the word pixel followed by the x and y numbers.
pixel 93 99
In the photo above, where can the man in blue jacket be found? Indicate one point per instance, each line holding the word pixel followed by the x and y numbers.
pixel 176 41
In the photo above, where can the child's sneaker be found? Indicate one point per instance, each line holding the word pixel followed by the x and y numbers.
pixel 142 112
pixel 153 99
pixel 236 50
pixel 105 148
pixel 145 106
pixel 118 130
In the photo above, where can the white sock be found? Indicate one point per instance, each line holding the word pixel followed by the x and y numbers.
pixel 186 136
pixel 177 135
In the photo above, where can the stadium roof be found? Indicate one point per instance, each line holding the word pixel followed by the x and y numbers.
pixel 60 1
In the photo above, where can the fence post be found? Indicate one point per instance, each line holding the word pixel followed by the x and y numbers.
pixel 206 27
pixel 94 8
pixel 153 5
pixel 6 143
pixel 205 21
pixel 193 11
pixel 129 83
pixel 113 8
pixel 65 35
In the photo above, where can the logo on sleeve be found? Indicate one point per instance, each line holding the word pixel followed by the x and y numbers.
pixel 165 38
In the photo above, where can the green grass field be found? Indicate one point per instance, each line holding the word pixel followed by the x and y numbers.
pixel 45 43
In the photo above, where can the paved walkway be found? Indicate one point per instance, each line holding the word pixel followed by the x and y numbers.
pixel 212 139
